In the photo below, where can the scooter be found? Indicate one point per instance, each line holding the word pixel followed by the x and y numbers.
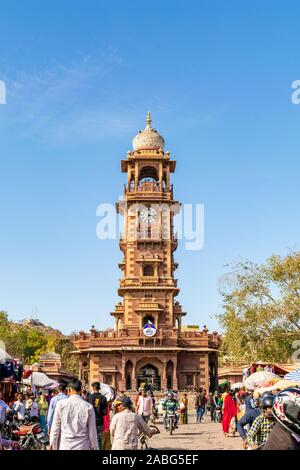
pixel 30 437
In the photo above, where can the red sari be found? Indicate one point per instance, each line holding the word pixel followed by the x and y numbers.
pixel 229 411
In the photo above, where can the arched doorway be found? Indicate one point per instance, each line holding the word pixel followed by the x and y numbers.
pixel 170 369
pixel 212 376
pixel 128 375
pixel 149 378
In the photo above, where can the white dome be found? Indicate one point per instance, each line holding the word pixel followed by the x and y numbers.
pixel 148 139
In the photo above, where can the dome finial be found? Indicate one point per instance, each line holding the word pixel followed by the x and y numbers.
pixel 149 138
pixel 149 120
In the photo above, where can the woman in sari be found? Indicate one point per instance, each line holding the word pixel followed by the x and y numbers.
pixel 229 413
pixel 184 409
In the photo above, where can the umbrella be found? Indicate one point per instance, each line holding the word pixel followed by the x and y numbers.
pixel 270 382
pixel 258 378
pixel 5 357
pixel 237 385
pixel 280 385
pixel 294 376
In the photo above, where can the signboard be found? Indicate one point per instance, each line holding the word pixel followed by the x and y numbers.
pixel 149 329
pixel 190 327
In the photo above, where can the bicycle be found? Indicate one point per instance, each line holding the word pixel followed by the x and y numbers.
pixel 144 439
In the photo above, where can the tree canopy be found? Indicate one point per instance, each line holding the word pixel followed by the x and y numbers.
pixel 28 341
pixel 261 309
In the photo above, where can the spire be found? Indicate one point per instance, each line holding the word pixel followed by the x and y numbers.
pixel 149 120
pixel 149 138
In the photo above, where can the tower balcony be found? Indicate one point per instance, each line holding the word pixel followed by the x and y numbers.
pixel 149 189
pixel 148 281
pixel 152 235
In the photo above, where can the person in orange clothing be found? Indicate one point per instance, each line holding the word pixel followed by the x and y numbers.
pixel 184 409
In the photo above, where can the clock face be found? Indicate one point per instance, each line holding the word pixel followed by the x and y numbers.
pixel 148 215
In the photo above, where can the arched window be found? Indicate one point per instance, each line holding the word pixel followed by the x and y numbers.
pixel 148 270
pixel 148 319
pixel 148 174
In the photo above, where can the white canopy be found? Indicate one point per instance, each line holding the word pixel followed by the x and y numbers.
pixel 39 379
pixel 258 378
pixel 107 391
pixel 5 357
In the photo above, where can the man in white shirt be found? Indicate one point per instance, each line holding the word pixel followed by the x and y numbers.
pixel 125 425
pixel 20 407
pixel 74 423
pixel 144 406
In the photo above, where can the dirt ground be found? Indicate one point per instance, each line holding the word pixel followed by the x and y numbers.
pixel 195 436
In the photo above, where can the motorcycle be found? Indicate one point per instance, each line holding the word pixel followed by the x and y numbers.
pixel 171 422
pixel 154 414
pixel 30 437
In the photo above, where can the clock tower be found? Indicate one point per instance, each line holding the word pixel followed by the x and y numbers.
pixel 148 242
pixel 149 345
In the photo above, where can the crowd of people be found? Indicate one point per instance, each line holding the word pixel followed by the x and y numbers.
pixel 267 422
pixel 78 419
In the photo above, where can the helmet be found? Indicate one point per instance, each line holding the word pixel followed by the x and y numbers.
pixel 170 395
pixel 267 401
pixel 286 409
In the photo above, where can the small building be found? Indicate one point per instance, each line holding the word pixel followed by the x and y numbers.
pixel 50 364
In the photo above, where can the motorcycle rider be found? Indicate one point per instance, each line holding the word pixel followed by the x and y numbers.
pixel 262 425
pixel 285 435
pixel 170 405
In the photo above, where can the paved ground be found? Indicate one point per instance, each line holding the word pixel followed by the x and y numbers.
pixel 194 436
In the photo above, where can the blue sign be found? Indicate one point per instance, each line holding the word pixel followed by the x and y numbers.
pixel 149 329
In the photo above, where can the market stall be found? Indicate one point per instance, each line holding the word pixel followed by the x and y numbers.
pixel 11 372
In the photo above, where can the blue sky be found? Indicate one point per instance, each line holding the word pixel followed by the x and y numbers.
pixel 80 78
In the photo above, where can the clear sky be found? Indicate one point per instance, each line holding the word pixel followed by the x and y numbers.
pixel 80 78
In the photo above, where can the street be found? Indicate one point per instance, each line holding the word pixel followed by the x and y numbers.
pixel 194 436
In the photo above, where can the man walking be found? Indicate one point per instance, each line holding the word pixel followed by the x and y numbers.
pixel 62 395
pixel 74 423
pixel 125 425
pixel 200 403
pixel 99 403
pixel 144 406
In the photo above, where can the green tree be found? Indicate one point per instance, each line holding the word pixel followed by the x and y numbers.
pixel 261 309
pixel 28 342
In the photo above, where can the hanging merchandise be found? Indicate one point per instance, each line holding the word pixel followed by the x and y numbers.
pixel 7 370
